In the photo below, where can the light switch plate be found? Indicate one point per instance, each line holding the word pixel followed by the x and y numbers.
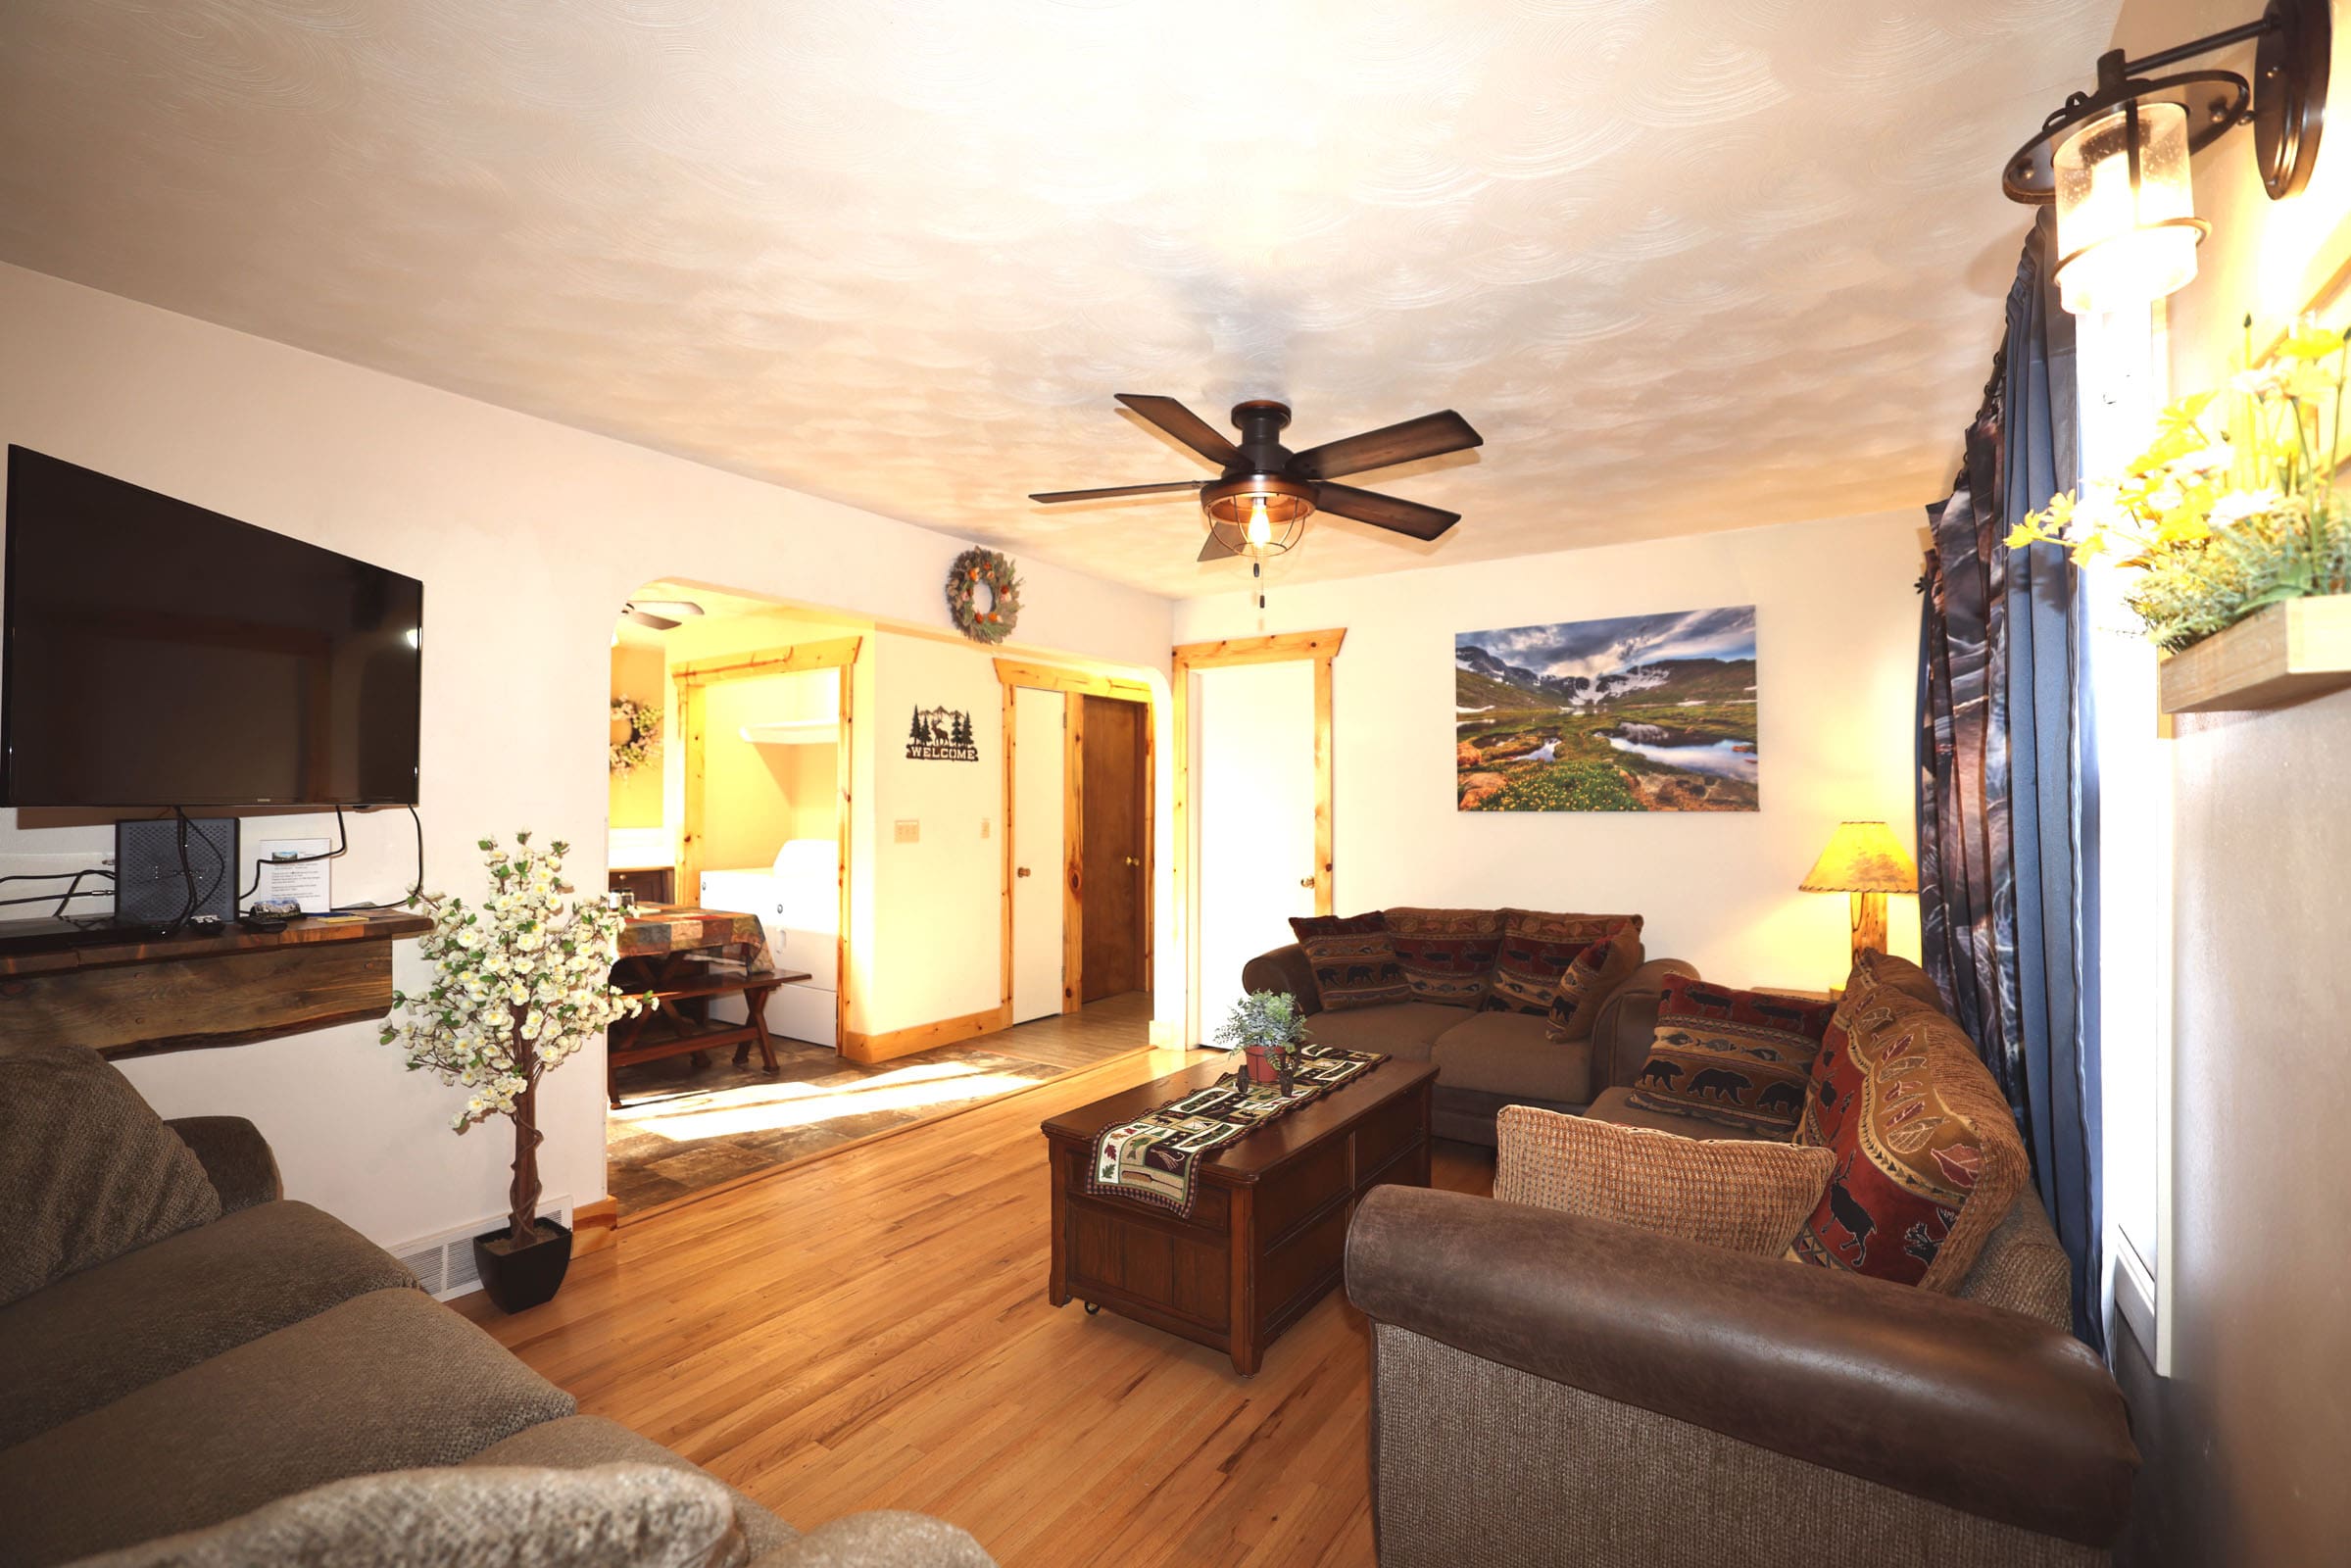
pixel 909 830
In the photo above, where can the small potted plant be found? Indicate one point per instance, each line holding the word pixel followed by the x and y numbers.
pixel 520 985
pixel 1267 1028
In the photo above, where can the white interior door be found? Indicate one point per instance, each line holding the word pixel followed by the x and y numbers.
pixel 1037 768
pixel 1252 789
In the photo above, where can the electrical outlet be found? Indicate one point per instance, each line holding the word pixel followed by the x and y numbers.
pixel 909 831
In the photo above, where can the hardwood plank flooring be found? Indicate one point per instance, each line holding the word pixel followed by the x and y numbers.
pixel 684 1131
pixel 870 1331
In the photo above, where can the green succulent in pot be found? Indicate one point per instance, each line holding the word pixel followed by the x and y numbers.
pixel 1267 1027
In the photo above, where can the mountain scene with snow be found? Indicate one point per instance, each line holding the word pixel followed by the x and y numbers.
pixel 1634 713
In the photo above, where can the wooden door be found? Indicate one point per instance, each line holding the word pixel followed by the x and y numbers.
pixel 1110 878
pixel 1037 853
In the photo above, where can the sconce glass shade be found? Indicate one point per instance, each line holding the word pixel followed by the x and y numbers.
pixel 2127 224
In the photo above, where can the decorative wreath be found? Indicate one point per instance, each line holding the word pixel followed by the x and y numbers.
pixel 643 721
pixel 975 570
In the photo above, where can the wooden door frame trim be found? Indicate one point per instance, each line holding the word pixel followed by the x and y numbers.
pixel 1322 647
pixel 689 681
pixel 1012 675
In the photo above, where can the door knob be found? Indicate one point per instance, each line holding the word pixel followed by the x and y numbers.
pixel 1306 881
pixel 1131 860
pixel 1022 871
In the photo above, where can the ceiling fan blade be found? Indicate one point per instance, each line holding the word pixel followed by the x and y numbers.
pixel 646 618
pixel 1184 426
pixel 1430 435
pixel 1051 497
pixel 1384 512
pixel 1218 548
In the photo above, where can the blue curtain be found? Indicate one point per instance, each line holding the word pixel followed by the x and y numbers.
pixel 2007 807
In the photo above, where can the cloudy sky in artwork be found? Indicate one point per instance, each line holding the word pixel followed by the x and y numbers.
pixel 1604 647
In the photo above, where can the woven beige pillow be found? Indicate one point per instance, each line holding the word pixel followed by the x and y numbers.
pixel 1745 1196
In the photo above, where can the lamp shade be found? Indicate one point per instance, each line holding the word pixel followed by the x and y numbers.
pixel 2127 226
pixel 1862 857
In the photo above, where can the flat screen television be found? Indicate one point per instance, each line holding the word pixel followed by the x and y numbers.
pixel 157 654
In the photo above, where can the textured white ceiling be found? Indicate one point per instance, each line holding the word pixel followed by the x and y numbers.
pixel 1688 265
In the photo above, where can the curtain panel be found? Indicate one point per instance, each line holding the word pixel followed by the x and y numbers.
pixel 2007 792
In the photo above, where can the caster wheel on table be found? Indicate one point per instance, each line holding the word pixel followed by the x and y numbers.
pixel 1093 1308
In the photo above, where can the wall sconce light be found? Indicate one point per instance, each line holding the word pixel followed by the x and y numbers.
pixel 2115 161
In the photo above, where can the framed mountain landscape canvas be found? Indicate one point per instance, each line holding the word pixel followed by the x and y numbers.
pixel 1636 714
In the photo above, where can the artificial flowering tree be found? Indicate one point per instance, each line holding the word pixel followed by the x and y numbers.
pixel 520 983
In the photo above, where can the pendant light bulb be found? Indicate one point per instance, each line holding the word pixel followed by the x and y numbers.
pixel 1261 526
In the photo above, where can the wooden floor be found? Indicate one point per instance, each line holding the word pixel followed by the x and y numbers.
pixel 870 1331
pixel 683 1130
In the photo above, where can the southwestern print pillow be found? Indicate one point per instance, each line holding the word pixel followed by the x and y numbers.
pixel 1536 951
pixel 1353 961
pixel 1446 955
pixel 1928 1160
pixel 1741 1058
pixel 1589 982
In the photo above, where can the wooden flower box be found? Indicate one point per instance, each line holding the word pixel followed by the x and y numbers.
pixel 2286 653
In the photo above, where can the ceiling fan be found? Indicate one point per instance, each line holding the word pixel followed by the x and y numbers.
pixel 1258 505
pixel 648 612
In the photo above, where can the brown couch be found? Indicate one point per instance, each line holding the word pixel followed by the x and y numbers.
pixel 1552 1389
pixel 273 1350
pixel 1486 1061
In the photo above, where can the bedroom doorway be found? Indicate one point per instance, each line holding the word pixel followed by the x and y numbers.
pixel 1078 842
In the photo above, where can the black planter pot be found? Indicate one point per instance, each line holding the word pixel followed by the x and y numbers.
pixel 524 1277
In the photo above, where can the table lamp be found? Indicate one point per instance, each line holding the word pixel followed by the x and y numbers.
pixel 1866 860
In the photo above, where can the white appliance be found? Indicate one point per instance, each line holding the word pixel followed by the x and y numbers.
pixel 798 901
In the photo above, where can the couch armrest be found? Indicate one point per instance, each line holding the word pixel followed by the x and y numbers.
pixel 883 1539
pixel 235 1156
pixel 1627 1022
pixel 1985 1411
pixel 1284 969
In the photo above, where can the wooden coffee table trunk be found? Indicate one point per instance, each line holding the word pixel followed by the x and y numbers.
pixel 1267 1234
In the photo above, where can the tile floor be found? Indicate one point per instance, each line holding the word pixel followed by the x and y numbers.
pixel 680 1131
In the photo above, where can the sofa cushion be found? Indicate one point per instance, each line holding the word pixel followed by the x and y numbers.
pixel 1616 1106
pixel 1513 1054
pixel 1404 1030
pixel 1353 961
pixel 93 1337
pixel 1589 982
pixel 631 1516
pixel 387 1381
pixel 577 1441
pixel 1929 1162
pixel 1737 1057
pixel 1536 951
pixel 1446 955
pixel 1744 1195
pixel 87 1171
pixel 1874 968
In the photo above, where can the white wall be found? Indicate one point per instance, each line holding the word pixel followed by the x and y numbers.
pixel 1837 626
pixel 2240 1439
pixel 936 951
pixel 527 536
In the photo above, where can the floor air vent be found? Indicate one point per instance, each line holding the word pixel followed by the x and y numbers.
pixel 445 1262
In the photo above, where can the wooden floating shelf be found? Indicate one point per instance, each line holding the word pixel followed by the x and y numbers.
pixel 2288 653
pixel 138 995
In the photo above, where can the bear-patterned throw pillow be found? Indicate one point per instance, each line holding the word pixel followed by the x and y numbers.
pixel 1536 951
pixel 1446 955
pixel 1927 1159
pixel 1740 1057
pixel 1353 961
pixel 1589 982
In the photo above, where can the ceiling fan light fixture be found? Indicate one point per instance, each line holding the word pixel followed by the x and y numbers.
pixel 1266 511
